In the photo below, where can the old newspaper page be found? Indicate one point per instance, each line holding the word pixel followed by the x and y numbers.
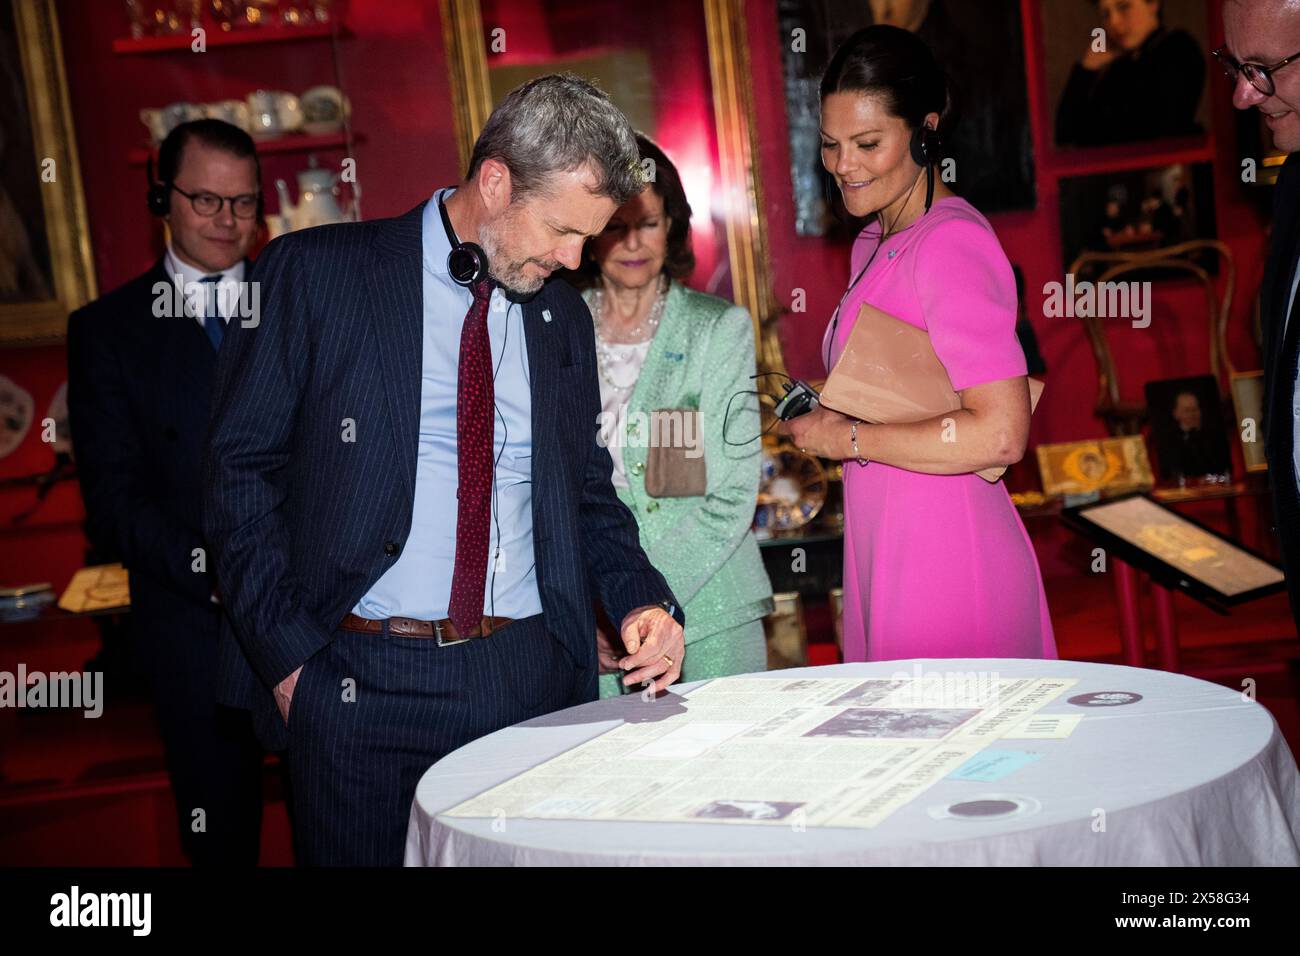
pixel 833 752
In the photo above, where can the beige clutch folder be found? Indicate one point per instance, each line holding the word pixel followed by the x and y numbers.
pixel 889 374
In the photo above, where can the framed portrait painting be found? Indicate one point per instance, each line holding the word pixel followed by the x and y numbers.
pixel 980 45
pixel 45 263
pixel 1138 211
pixel 1126 71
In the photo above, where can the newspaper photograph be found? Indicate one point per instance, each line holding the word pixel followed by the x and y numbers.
pixel 832 752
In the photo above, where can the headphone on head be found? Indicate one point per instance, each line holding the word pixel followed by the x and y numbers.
pixel 925 147
pixel 160 200
pixel 159 193
pixel 211 133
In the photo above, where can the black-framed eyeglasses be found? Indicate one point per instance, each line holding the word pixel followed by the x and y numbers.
pixel 1257 74
pixel 209 204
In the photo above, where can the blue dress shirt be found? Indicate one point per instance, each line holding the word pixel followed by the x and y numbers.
pixel 418 585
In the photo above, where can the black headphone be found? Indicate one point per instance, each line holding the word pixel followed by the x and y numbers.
pixel 159 193
pixel 467 262
pixel 925 147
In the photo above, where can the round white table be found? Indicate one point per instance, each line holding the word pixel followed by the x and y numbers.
pixel 1162 770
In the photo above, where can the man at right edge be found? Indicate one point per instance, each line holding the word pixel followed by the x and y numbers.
pixel 1262 58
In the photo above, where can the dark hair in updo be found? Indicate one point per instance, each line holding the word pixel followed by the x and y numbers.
pixel 679 261
pixel 896 65
pixel 1160 10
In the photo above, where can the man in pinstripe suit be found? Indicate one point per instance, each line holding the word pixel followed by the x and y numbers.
pixel 404 491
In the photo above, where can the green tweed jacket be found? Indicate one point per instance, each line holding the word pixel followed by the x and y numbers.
pixel 702 355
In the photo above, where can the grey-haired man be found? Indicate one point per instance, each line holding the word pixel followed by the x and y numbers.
pixel 1262 57
pixel 405 493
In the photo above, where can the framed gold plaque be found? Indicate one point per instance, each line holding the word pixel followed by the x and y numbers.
pixel 1248 400
pixel 1112 465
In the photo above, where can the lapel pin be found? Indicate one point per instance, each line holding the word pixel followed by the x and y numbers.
pixel 546 315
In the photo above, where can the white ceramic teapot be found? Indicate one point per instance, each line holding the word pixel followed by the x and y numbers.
pixel 317 200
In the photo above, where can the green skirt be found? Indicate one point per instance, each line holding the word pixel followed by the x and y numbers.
pixel 738 650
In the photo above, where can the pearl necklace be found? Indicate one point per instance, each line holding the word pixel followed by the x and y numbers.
pixel 606 357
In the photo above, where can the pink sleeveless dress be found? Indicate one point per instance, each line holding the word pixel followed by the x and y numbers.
pixel 939 565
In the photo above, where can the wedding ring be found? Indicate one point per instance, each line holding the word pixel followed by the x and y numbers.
pixel 669 660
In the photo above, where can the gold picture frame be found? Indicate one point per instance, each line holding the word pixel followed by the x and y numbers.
pixel 1112 466
pixel 36 312
pixel 733 115
pixel 1248 402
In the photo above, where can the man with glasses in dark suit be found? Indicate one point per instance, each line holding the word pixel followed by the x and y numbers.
pixel 140 369
pixel 1262 58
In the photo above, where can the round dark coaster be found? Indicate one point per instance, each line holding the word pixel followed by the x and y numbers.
pixel 1106 698
pixel 984 808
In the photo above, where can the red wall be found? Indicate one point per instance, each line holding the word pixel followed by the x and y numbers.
pixel 395 71
pixel 549 31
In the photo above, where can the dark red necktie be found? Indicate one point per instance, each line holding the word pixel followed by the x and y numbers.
pixel 473 464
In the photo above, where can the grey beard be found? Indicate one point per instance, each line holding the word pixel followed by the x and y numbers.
pixel 510 274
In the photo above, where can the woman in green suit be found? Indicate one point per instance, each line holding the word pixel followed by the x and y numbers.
pixel 661 346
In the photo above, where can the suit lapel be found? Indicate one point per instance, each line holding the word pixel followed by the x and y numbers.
pixel 397 297
pixel 180 343
pixel 1279 334
pixel 663 358
pixel 540 337
pixel 1286 331
pixel 1286 268
pixel 1275 285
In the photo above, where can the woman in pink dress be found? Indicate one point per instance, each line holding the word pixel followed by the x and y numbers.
pixel 936 560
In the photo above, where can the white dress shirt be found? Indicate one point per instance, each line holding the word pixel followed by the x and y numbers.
pixel 227 290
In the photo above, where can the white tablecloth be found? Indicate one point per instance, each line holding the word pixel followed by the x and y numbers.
pixel 1191 774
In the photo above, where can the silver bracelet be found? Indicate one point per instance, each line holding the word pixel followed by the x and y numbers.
pixel 853 437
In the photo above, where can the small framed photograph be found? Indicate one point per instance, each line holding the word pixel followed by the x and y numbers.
pixel 1187 429
pixel 1248 401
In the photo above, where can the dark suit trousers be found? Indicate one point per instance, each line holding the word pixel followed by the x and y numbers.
pixel 371 713
pixel 213 758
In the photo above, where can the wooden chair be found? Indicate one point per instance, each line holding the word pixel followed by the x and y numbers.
pixel 1127 417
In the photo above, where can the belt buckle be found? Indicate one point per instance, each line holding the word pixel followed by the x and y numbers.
pixel 437 628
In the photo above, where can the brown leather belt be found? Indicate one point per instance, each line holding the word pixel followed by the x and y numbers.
pixel 443 631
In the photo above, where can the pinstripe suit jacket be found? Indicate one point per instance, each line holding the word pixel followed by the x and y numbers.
pixel 1281 347
pixel 302 522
